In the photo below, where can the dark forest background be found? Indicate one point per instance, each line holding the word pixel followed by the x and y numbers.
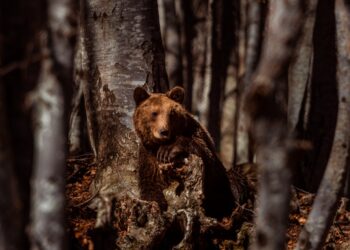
pixel 270 79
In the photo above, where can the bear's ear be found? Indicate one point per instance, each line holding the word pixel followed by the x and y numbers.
pixel 177 94
pixel 140 94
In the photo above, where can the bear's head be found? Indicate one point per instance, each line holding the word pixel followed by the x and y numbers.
pixel 158 117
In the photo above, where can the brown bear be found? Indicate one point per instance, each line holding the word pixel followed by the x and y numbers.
pixel 168 132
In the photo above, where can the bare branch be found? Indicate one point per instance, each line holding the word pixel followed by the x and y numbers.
pixel 328 195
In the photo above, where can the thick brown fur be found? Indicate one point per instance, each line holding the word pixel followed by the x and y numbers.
pixel 169 133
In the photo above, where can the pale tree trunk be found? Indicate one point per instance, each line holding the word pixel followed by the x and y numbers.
pixel 122 50
pixel 10 217
pixel 204 86
pixel 266 106
pixel 254 24
pixel 328 194
pixel 201 56
pixel 300 72
pixel 47 208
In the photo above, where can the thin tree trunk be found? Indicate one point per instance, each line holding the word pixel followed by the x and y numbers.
pixel 203 62
pixel 324 206
pixel 255 24
pixel 47 208
pixel 299 75
pixel 216 82
pixel 223 34
pixel 323 96
pixel 172 43
pixel 187 33
pixel 266 106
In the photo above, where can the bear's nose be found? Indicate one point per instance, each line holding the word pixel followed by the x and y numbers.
pixel 164 132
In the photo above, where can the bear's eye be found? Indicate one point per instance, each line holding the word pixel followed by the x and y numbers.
pixel 154 114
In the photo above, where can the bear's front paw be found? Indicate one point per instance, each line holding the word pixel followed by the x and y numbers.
pixel 171 153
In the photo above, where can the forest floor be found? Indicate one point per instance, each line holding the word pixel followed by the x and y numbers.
pixel 81 219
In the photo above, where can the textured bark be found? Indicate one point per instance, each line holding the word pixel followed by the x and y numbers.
pixel 266 106
pixel 10 218
pixel 80 135
pixel 76 135
pixel 122 50
pixel 324 206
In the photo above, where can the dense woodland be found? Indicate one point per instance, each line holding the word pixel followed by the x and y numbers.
pixel 269 79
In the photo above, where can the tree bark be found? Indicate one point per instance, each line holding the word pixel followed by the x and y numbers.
pixel 266 106
pixel 324 206
pixel 50 116
pixel 123 49
pixel 47 208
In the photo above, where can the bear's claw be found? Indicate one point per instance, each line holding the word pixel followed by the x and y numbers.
pixel 170 153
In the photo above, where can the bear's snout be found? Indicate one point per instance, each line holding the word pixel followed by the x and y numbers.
pixel 164 133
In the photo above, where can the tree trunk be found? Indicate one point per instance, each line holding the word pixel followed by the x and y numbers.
pixel 243 151
pixel 266 106
pixel 172 36
pixel 322 114
pixel 222 41
pixel 324 206
pixel 123 50
pixel 202 57
pixel 300 72
pixel 187 34
pixel 50 116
